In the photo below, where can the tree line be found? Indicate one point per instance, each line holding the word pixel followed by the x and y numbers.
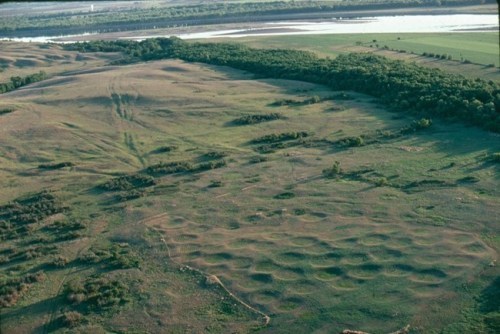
pixel 17 81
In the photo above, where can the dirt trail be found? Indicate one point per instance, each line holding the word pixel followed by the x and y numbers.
pixel 122 105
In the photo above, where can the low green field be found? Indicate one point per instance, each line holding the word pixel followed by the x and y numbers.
pixel 322 212
pixel 480 49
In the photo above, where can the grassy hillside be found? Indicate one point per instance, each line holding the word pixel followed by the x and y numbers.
pixel 331 215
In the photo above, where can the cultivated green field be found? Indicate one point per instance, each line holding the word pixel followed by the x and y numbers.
pixel 403 231
pixel 480 49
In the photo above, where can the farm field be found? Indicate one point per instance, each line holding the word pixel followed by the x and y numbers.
pixel 480 49
pixel 168 208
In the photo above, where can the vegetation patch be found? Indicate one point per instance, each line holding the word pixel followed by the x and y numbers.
pixel 255 119
pixel 62 230
pixel 494 158
pixel 128 182
pixel 16 217
pixel 278 141
pixel 294 103
pixel 6 111
pixel 214 155
pixel 377 136
pixel 285 195
pixel 164 149
pixel 351 141
pixel 468 179
pixel 278 137
pixel 71 319
pixel 165 168
pixel 96 294
pixel 258 159
pixel 334 171
pixel 184 167
pixel 116 256
pixel 11 289
pixel 215 184
pixel 424 185
pixel 17 81
pixel 58 165
pixel 130 195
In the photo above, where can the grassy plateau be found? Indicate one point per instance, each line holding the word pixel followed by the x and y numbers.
pixel 178 197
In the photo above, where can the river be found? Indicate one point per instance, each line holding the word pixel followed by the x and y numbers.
pixel 381 24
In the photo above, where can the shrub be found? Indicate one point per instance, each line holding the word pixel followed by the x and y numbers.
pixel 215 184
pixel 13 288
pixel 59 261
pixel 97 293
pixel 128 182
pixel 254 119
pixel 170 167
pixel 382 182
pixel 71 319
pixel 9 110
pixel 468 179
pixel 299 212
pixel 214 155
pixel 164 149
pixel 210 165
pixel 285 102
pixel 495 157
pixel 423 123
pixel 314 99
pixel 278 137
pixel 258 159
pixel 333 171
pixel 351 141
pixel 56 165
pixel 285 195
pixel 117 256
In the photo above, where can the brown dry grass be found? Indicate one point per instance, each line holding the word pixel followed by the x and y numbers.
pixel 339 253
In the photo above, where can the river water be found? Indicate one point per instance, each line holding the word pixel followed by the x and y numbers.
pixel 382 24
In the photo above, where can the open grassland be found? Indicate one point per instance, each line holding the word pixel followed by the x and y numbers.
pixel 15 60
pixel 480 49
pixel 403 231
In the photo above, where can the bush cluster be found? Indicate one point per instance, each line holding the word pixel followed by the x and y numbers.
pixel 279 137
pixel 118 256
pixel 56 165
pixel 97 293
pixel 128 182
pixel 163 168
pixel 254 119
pixel 17 216
pixel 12 289
pixel 17 81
